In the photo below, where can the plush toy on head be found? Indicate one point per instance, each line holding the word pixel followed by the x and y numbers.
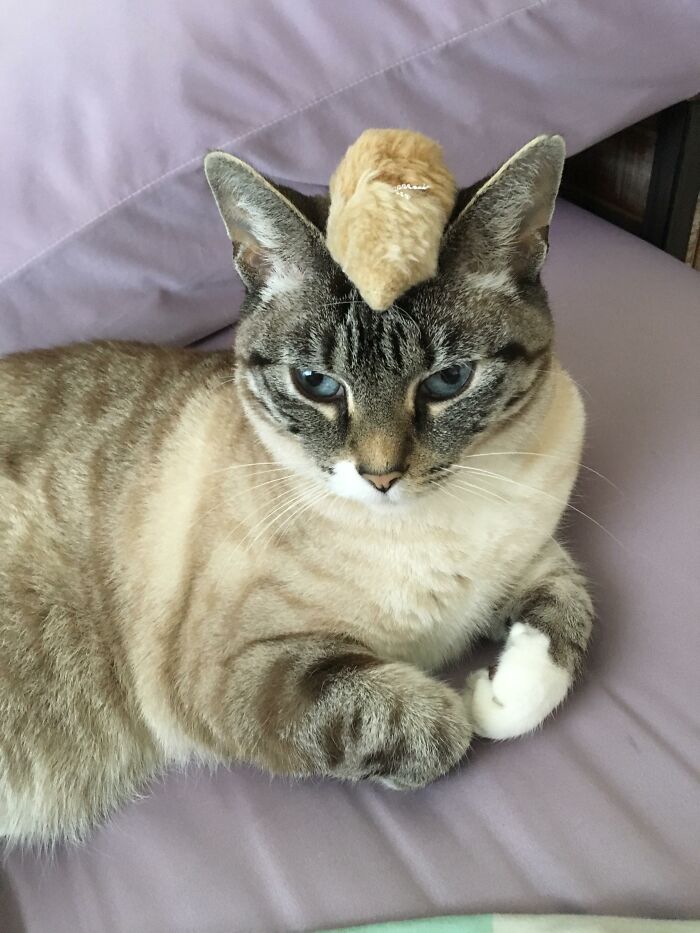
pixel 391 197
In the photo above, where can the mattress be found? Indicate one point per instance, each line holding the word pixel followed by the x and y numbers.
pixel 599 812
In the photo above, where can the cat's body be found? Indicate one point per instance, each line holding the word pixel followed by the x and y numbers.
pixel 176 582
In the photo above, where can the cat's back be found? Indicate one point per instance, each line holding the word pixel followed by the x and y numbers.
pixel 52 399
pixel 77 425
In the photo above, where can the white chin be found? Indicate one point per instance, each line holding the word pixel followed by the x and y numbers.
pixel 346 482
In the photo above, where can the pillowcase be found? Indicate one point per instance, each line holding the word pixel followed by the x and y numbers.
pixel 108 229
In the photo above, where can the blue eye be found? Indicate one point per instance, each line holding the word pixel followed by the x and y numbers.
pixel 447 382
pixel 317 386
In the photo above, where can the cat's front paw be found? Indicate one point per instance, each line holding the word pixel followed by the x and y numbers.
pixel 408 730
pixel 524 689
pixel 427 744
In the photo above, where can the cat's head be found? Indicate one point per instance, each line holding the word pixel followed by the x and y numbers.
pixel 382 404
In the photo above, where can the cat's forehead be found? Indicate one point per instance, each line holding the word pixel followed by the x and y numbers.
pixel 364 342
pixel 425 327
pixel 326 325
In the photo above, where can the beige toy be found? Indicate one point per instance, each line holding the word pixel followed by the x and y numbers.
pixel 391 197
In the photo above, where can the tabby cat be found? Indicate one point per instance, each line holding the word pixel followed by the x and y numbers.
pixel 261 554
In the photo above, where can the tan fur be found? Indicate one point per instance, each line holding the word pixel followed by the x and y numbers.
pixel 154 607
pixel 383 230
pixel 182 578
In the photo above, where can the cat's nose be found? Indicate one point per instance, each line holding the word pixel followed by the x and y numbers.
pixel 381 481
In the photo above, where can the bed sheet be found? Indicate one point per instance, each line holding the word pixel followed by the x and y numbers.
pixel 599 812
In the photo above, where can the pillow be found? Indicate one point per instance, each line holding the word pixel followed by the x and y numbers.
pixel 108 228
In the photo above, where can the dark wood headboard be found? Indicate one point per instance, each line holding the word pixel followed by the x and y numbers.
pixel 646 179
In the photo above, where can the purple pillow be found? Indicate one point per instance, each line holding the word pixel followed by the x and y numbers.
pixel 107 109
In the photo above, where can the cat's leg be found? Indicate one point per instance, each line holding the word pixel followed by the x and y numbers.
pixel 312 704
pixel 499 624
pixel 543 653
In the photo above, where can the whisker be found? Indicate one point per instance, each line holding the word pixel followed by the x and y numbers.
pixel 561 502
pixel 334 304
pixel 271 518
pixel 296 514
pixel 257 524
pixel 244 466
pixel 488 492
pixel 532 453
pixel 282 495
pixel 274 514
pixel 270 482
pixel 477 489
pixel 455 473
pixel 244 492
pixel 469 486
pixel 567 375
pixel 286 495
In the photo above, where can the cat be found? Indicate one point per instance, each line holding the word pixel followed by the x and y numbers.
pixel 261 554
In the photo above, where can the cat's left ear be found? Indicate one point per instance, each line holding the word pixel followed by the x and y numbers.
pixel 274 244
pixel 504 229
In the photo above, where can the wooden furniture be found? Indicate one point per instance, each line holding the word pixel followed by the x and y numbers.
pixel 646 179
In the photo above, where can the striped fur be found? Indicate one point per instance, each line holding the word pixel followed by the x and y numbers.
pixel 184 576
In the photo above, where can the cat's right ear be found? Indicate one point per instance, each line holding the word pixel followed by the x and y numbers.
pixel 274 245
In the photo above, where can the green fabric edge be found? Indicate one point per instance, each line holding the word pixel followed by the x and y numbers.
pixel 514 923
pixel 476 924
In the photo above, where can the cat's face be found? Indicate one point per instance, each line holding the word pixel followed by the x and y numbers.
pixel 383 403
pixel 397 396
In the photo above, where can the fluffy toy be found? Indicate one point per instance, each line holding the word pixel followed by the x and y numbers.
pixel 391 197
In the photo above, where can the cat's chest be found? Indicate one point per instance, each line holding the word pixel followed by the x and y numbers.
pixel 424 597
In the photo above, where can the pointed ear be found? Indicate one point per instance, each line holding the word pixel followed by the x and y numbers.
pixel 504 229
pixel 274 244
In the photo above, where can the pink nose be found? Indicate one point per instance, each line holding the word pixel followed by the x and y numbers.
pixel 382 481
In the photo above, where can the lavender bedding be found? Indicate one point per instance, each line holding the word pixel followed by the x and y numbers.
pixel 108 230
pixel 597 813
pixel 106 110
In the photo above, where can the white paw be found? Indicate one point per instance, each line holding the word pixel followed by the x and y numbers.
pixel 525 689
